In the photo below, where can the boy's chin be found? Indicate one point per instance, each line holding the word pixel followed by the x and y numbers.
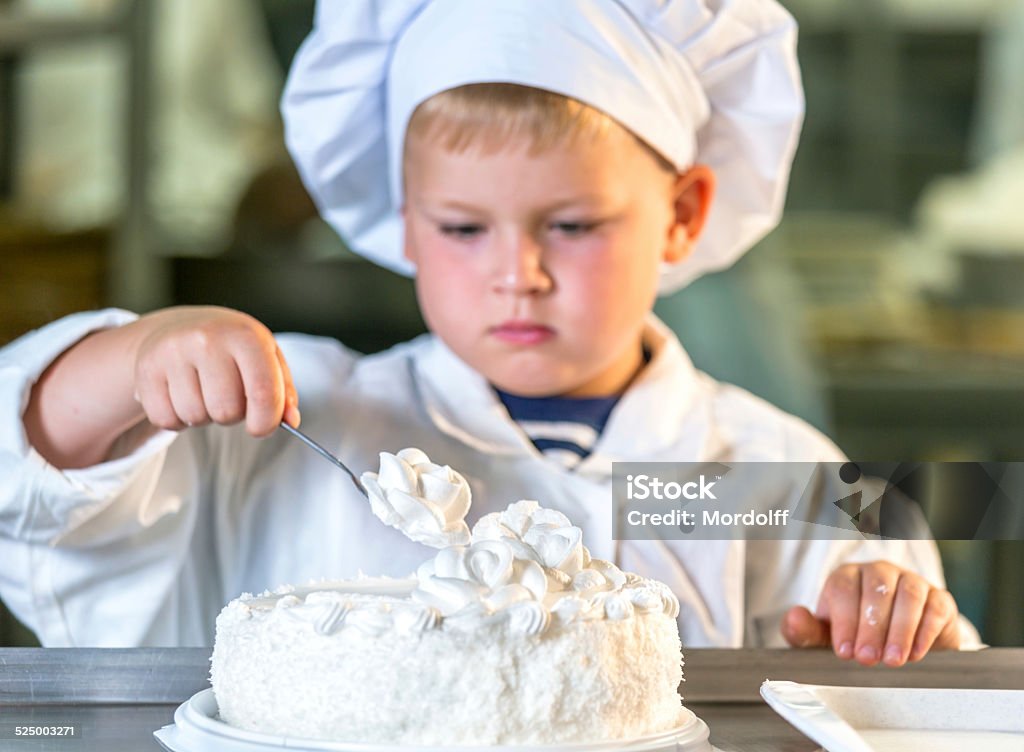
pixel 536 385
pixel 534 380
pixel 533 390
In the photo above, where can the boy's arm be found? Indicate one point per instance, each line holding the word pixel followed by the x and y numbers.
pixel 111 543
pixel 171 369
pixel 84 401
pixel 37 497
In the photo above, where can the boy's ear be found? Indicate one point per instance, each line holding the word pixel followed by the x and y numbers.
pixel 693 192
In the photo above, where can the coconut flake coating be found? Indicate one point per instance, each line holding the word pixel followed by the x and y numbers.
pixel 393 678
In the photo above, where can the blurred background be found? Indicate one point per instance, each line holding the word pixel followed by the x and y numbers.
pixel 142 164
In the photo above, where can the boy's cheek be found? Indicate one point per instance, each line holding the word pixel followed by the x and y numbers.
pixel 442 274
pixel 628 288
pixel 451 299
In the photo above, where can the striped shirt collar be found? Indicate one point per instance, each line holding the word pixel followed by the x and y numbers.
pixel 564 429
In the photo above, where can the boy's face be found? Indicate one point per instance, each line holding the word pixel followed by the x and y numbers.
pixel 538 270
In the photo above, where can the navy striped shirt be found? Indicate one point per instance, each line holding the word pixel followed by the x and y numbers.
pixel 563 428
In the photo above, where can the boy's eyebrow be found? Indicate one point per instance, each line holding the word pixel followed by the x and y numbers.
pixel 452 204
pixel 554 206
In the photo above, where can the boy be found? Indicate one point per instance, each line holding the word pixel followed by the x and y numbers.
pixel 546 168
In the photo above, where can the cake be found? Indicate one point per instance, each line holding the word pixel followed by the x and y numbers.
pixel 510 634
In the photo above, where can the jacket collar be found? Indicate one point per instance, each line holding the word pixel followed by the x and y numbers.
pixel 648 419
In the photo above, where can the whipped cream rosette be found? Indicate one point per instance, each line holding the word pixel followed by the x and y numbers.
pixel 544 535
pixel 524 565
pixel 484 583
pixel 425 501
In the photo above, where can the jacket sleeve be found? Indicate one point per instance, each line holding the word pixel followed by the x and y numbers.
pixel 69 532
pixel 144 548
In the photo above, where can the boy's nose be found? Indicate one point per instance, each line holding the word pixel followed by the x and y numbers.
pixel 522 273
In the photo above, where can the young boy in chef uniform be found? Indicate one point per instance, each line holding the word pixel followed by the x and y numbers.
pixel 544 169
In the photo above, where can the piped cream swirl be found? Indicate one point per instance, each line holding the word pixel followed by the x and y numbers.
pixel 426 501
pixel 525 567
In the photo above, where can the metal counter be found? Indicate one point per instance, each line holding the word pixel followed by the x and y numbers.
pixel 116 698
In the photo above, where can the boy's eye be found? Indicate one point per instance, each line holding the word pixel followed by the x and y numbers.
pixel 574 228
pixel 462 232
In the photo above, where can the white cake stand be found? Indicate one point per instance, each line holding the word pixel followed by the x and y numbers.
pixel 197 728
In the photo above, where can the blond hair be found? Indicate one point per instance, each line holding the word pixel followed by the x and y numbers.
pixel 489 116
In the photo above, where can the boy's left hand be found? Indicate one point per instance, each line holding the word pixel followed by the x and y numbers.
pixel 875 612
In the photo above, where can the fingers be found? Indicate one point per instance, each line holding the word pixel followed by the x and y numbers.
pixel 911 596
pixel 211 364
pixel 938 627
pixel 263 382
pixel 840 605
pixel 187 396
pixel 223 391
pixel 153 395
pixel 802 630
pixel 291 396
pixel 878 593
pixel 152 392
pixel 879 612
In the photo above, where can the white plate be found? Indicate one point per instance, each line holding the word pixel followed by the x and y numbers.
pixel 871 719
pixel 197 728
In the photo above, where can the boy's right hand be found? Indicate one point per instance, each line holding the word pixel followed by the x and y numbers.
pixel 200 365
pixel 184 366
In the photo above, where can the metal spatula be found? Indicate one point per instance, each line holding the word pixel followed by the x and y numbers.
pixel 326 455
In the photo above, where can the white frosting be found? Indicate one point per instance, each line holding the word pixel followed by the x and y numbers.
pixel 525 554
pixel 427 502
pixel 331 664
pixel 509 635
pixel 545 535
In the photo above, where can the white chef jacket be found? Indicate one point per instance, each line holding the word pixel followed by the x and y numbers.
pixel 147 547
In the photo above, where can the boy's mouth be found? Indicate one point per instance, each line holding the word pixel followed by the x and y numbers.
pixel 520 332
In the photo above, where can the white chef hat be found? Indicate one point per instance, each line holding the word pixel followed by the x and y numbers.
pixel 701 81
